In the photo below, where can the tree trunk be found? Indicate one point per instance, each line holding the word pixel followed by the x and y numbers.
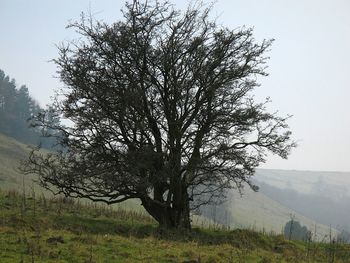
pixel 169 217
pixel 182 211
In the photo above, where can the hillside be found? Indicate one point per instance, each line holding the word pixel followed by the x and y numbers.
pixel 252 210
pixel 331 184
pixel 260 212
pixel 11 153
pixel 39 229
pixel 322 196
pixel 316 198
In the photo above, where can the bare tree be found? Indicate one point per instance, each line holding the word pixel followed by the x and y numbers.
pixel 161 110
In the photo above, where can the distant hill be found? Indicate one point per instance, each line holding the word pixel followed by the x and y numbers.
pixel 332 184
pixel 259 212
pixel 322 196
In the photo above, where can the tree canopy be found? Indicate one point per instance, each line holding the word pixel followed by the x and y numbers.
pixel 161 109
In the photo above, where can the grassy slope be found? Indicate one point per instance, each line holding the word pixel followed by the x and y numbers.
pixel 259 212
pixel 36 229
pixel 253 210
pixel 11 152
pixel 24 236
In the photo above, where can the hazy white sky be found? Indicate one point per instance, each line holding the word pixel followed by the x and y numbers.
pixel 309 66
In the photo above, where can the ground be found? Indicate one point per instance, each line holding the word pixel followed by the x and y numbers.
pixel 39 229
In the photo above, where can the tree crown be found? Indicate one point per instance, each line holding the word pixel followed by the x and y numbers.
pixel 162 109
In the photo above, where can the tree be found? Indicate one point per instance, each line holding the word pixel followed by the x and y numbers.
pixel 161 110
pixel 343 237
pixel 23 103
pixel 293 230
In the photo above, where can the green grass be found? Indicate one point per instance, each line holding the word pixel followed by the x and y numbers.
pixel 40 229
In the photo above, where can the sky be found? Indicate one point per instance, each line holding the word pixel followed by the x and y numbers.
pixel 309 64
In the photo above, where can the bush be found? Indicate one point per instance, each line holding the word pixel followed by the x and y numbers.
pixel 293 230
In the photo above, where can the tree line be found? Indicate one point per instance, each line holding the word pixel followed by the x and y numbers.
pixel 17 107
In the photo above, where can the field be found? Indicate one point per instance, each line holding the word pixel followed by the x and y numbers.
pixel 39 229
